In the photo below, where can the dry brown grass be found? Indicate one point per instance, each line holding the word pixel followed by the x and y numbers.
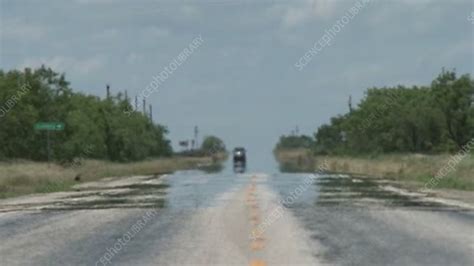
pixel 287 155
pixel 413 169
pixel 296 160
pixel 24 177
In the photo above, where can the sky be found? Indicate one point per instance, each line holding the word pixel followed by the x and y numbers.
pixel 241 84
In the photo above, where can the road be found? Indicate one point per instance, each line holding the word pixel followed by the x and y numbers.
pixel 193 218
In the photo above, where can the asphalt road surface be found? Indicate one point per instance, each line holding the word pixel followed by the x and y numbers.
pixel 193 218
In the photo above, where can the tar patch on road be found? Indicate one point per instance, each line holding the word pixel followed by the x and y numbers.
pixel 341 190
pixel 146 193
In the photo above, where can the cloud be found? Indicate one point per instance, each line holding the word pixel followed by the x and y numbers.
pixel 416 2
pixel 70 65
pixel 133 58
pixel 94 1
pixel 297 13
pixel 323 8
pixel 300 12
pixel 190 11
pixel 106 34
pixel 156 32
pixel 18 29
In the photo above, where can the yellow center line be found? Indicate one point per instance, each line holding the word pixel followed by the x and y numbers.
pixel 258 241
pixel 250 203
pixel 255 222
pixel 255 217
pixel 257 263
pixel 257 244
pixel 257 236
pixel 254 208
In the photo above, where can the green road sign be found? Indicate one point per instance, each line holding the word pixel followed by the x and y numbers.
pixel 52 126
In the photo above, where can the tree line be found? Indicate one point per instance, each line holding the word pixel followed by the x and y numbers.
pixel 437 118
pixel 211 146
pixel 94 127
pixel 294 142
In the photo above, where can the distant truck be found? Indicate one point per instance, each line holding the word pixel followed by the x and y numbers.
pixel 240 159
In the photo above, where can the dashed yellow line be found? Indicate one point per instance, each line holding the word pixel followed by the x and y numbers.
pixel 255 219
pixel 257 263
pixel 254 207
pixel 257 244
pixel 258 241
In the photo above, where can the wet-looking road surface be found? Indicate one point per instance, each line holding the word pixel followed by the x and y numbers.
pixel 193 218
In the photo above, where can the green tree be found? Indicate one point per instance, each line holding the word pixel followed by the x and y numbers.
pixel 295 142
pixel 212 145
pixel 95 128
pixel 436 118
pixel 454 97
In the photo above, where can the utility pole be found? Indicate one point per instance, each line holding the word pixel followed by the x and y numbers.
pixel 350 104
pixel 126 96
pixel 136 103
pixel 151 113
pixel 144 106
pixel 107 88
pixel 196 134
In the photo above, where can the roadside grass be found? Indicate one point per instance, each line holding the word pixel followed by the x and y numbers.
pixel 23 177
pixel 26 177
pixel 295 161
pixel 410 169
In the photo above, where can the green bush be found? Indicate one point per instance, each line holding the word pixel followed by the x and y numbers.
pixel 434 119
pixel 94 128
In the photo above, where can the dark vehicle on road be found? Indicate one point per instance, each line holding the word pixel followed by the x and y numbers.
pixel 240 159
pixel 239 155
